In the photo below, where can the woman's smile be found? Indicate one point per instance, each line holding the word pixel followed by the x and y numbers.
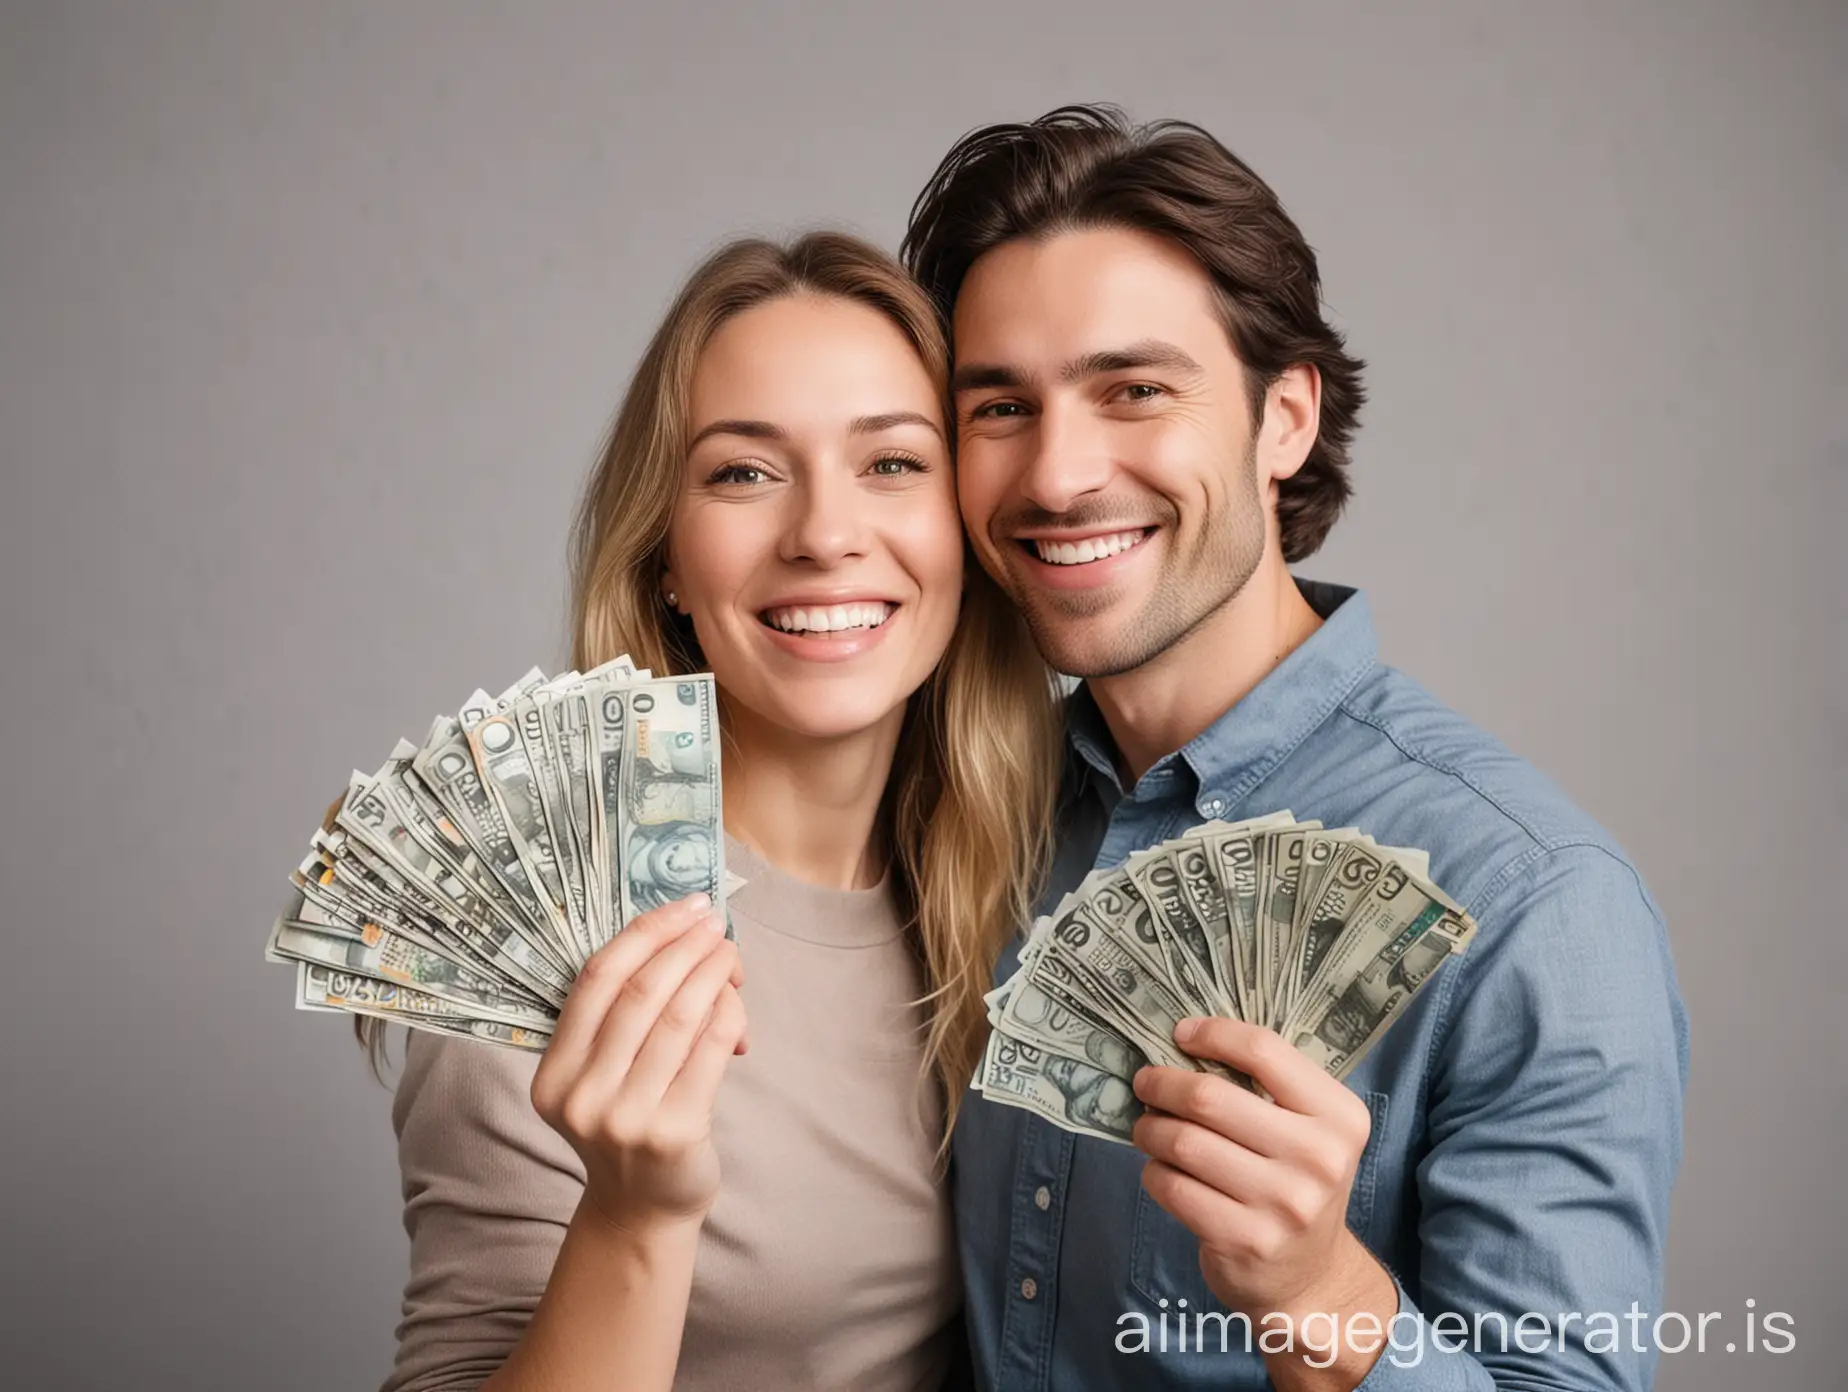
pixel 823 630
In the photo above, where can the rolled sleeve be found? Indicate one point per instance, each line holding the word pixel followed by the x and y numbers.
pixel 1416 1359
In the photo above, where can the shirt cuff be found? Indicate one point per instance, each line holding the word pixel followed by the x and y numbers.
pixel 1417 1357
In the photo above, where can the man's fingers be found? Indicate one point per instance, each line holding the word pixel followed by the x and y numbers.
pixel 1218 1105
pixel 1267 1058
pixel 1213 1217
pixel 1208 1156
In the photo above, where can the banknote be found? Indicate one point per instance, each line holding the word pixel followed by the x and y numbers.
pixel 1320 934
pixel 669 810
pixel 461 886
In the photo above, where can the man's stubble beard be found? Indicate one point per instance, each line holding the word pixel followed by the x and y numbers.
pixel 1188 592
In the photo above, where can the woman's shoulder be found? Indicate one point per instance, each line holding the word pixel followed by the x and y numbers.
pixel 461 1079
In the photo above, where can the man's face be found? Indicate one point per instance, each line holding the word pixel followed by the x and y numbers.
pixel 1107 468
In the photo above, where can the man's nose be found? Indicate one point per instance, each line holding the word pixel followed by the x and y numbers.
pixel 828 522
pixel 1070 457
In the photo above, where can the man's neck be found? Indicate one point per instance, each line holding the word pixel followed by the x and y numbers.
pixel 1161 705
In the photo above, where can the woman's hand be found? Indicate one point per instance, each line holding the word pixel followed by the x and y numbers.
pixel 632 1069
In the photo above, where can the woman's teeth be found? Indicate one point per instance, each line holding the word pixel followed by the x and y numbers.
pixel 1090 549
pixel 832 619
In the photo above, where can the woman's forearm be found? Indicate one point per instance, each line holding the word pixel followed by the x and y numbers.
pixel 612 1312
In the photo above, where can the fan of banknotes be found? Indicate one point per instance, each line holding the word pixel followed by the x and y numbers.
pixel 1321 935
pixel 461 887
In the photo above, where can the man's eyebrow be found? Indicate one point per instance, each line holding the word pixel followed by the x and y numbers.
pixel 983 376
pixel 1150 352
pixel 750 429
pixel 887 420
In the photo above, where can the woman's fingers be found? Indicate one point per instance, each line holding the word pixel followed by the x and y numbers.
pixel 637 1007
pixel 677 1027
pixel 697 1084
pixel 604 976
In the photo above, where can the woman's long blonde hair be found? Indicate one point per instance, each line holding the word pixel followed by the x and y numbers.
pixel 968 810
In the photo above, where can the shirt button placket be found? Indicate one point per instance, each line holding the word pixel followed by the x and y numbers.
pixel 1026 1347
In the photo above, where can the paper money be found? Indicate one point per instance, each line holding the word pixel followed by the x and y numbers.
pixel 461 887
pixel 1322 935
pixel 669 808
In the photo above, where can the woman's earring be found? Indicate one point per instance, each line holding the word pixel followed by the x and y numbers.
pixel 673 600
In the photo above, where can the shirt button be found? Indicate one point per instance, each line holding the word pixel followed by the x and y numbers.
pixel 1042 1198
pixel 1029 1288
pixel 1213 806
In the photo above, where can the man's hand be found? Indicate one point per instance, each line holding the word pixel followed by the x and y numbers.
pixel 1263 1183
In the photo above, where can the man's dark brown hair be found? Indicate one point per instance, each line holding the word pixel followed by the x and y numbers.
pixel 1086 166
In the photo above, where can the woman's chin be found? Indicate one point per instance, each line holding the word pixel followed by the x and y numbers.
pixel 842 723
pixel 822 701
pixel 815 713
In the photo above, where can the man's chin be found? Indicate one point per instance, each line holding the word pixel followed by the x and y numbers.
pixel 1085 646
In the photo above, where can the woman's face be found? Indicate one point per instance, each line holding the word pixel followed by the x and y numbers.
pixel 816 542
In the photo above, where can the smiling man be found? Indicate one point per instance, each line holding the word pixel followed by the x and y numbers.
pixel 1154 421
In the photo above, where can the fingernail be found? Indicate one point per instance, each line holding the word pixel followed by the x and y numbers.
pixel 1186 1030
pixel 714 922
pixel 699 901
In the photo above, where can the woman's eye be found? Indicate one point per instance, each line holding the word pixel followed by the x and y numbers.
pixel 895 466
pixel 739 473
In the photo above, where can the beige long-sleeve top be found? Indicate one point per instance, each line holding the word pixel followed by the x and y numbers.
pixel 828 1259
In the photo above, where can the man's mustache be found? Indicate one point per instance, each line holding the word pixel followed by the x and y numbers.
pixel 1086 515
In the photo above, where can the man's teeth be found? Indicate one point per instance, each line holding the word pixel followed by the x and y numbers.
pixel 831 619
pixel 1090 549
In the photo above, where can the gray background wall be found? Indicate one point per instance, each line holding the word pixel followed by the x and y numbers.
pixel 311 318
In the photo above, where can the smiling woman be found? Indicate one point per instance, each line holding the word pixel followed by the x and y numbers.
pixel 653 1205
pixel 816 545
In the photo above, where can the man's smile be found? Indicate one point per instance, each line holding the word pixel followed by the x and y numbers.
pixel 1082 560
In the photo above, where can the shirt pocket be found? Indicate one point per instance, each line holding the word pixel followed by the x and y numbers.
pixel 1164 1257
pixel 1367 1174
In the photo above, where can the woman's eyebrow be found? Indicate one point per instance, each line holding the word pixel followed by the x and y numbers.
pixel 861 425
pixel 872 425
pixel 750 429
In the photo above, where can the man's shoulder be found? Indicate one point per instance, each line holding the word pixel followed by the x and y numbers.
pixel 1409 770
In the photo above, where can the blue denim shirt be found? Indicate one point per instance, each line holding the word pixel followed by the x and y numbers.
pixel 1526 1108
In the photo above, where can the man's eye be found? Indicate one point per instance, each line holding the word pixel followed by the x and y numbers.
pixel 1141 391
pixel 738 473
pixel 997 410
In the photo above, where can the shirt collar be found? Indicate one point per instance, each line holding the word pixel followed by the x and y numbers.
pixel 1235 752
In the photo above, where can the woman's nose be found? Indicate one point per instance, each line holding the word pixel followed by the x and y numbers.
pixel 828 524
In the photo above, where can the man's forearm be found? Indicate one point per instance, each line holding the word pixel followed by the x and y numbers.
pixel 1333 1327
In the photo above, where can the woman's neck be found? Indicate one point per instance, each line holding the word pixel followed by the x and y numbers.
pixel 810 806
